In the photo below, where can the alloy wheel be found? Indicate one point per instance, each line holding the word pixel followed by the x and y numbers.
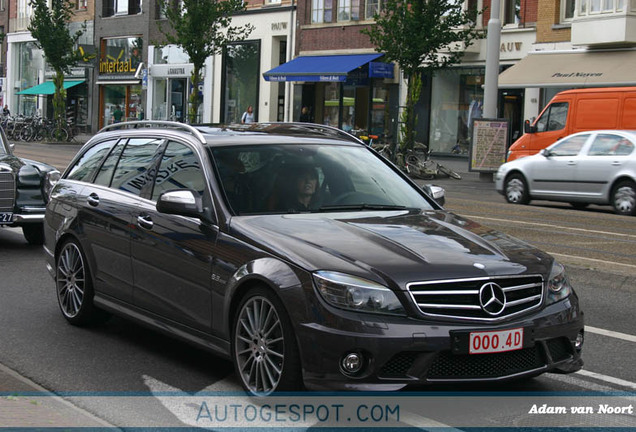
pixel 71 280
pixel 259 346
pixel 625 199
pixel 516 190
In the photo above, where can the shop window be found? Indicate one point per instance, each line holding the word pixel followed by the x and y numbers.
pixel 241 76
pixel 121 7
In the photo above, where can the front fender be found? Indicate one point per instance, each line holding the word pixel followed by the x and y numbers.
pixel 276 274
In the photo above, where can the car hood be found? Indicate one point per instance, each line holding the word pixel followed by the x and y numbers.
pixel 395 247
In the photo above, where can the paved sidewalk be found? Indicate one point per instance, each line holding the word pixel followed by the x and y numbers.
pixel 24 404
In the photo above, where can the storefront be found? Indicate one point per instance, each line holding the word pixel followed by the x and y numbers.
pixel 26 70
pixel 119 80
pixel 351 92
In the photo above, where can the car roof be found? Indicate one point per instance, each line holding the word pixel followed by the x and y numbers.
pixel 241 134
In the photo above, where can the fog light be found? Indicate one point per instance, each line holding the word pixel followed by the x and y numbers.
pixel 352 363
pixel 578 343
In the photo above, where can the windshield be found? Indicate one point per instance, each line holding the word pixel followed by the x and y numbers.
pixel 310 178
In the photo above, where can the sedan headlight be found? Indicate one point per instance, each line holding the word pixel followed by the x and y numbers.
pixel 558 284
pixel 50 179
pixel 357 294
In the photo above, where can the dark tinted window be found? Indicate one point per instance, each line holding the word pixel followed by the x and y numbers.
pixel 85 167
pixel 179 169
pixel 131 173
pixel 105 174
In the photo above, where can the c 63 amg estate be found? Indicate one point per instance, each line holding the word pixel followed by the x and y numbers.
pixel 304 257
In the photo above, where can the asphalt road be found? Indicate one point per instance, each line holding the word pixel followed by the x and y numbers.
pixel 121 372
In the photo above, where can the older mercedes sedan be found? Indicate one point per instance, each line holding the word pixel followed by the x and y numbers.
pixel 303 256
pixel 24 188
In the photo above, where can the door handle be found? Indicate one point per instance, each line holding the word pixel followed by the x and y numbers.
pixel 616 163
pixel 93 199
pixel 571 162
pixel 145 222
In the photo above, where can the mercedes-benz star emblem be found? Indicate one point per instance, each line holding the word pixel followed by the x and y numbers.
pixel 492 298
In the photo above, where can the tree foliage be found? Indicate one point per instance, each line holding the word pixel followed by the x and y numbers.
pixel 422 36
pixel 202 28
pixel 49 27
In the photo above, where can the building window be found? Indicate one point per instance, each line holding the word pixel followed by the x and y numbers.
pixel 122 7
pixel 82 4
pixel 2 6
pixel 512 12
pixel 372 8
pixel 344 10
pixel 321 11
pixel 567 10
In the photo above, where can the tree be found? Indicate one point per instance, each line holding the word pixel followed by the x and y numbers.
pixel 422 36
pixel 50 28
pixel 202 28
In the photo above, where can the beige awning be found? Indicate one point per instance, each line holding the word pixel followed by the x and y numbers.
pixel 574 69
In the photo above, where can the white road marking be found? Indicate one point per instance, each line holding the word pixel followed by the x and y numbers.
pixel 608 379
pixel 516 222
pixel 592 259
pixel 617 335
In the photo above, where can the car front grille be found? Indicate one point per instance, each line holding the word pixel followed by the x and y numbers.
pixel 7 191
pixel 447 366
pixel 464 299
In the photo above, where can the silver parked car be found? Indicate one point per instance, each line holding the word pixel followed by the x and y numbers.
pixel 593 167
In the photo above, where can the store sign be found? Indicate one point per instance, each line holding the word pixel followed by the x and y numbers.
pixel 176 71
pixel 111 64
pixel 511 47
pixel 381 70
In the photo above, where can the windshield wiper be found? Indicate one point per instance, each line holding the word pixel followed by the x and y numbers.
pixel 363 206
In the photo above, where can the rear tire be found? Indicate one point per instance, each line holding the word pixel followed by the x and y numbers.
pixel 516 189
pixel 264 348
pixel 624 198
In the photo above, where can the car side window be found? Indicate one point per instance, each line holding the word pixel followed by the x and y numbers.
pixel 553 118
pixel 105 174
pixel 570 146
pixel 611 145
pixel 179 169
pixel 131 174
pixel 86 165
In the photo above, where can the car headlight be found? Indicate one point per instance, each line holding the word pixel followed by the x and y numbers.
pixel 357 294
pixel 558 284
pixel 50 179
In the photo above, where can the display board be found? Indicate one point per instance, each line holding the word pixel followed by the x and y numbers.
pixel 488 144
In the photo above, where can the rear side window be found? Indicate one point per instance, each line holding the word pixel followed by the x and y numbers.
pixel 131 172
pixel 87 164
pixel 611 145
pixel 553 118
pixel 179 169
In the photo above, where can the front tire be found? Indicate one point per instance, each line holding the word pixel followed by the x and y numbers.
pixel 34 234
pixel 74 286
pixel 264 346
pixel 624 198
pixel 516 189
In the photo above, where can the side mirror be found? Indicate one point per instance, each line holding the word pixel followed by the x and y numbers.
pixel 545 153
pixel 182 202
pixel 528 128
pixel 11 147
pixel 436 192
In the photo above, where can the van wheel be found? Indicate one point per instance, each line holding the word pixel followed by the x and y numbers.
pixel 624 198
pixel 516 189
pixel 264 348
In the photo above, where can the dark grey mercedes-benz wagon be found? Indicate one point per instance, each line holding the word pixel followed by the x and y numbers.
pixel 304 257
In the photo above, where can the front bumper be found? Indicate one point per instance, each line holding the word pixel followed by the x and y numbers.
pixel 398 352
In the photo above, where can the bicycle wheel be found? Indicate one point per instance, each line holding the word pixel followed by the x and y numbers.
pixel 449 172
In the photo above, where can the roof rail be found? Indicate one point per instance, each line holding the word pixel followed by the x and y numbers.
pixel 155 123
pixel 320 129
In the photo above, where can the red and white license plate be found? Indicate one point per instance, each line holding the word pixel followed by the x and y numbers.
pixel 495 341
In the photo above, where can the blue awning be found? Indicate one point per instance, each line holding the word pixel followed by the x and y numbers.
pixel 333 68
